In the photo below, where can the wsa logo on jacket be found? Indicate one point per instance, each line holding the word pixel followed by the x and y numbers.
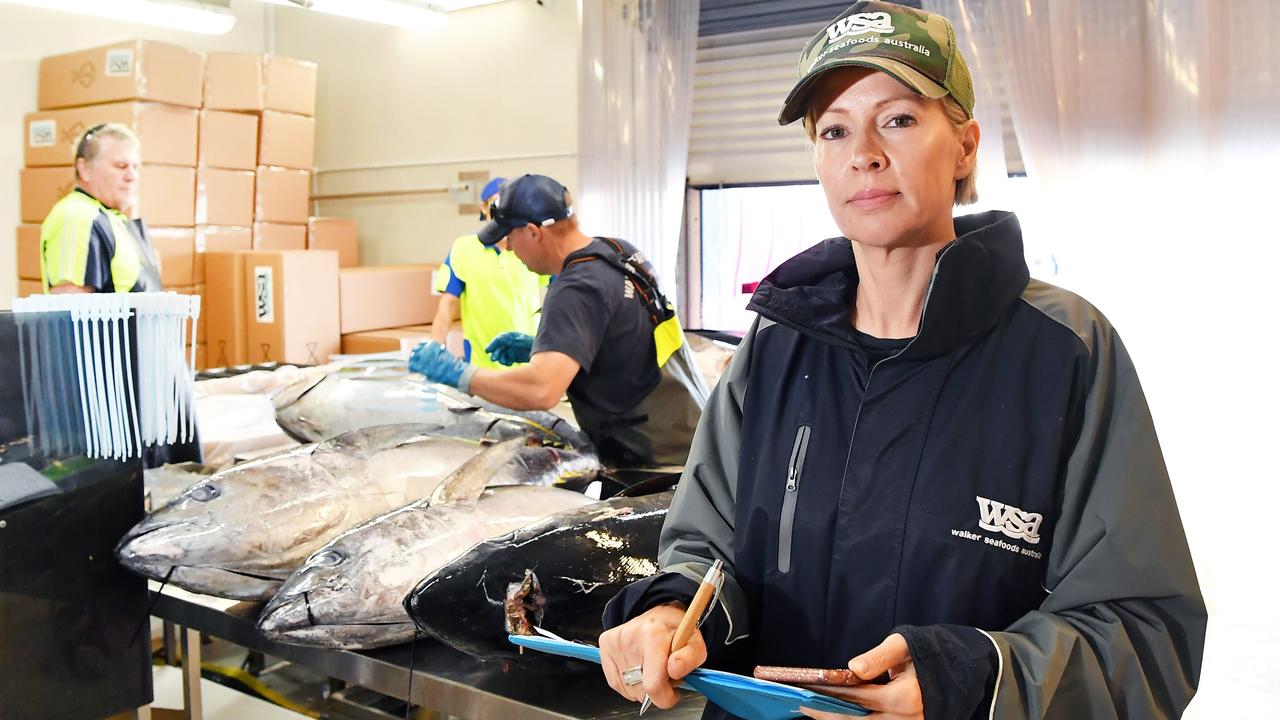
pixel 1015 522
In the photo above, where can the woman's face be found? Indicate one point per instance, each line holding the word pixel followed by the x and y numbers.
pixel 888 159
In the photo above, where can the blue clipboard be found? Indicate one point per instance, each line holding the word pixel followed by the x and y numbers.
pixel 743 696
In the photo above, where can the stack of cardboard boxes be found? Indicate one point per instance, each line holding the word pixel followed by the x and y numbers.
pixel 228 146
pixel 268 300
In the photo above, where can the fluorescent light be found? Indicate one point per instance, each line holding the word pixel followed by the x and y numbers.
pixel 174 14
pixel 408 15
pixel 451 5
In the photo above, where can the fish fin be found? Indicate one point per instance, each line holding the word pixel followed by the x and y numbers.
pixel 467 482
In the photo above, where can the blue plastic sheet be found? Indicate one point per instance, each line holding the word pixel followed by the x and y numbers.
pixel 743 696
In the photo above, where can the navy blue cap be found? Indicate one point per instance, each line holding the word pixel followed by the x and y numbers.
pixel 491 188
pixel 528 199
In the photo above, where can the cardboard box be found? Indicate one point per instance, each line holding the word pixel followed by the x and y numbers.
pixel 27 288
pixel 289 85
pixel 224 197
pixel 134 70
pixel 228 140
pixel 167 195
pixel 214 238
pixel 378 341
pixel 176 251
pixel 279 236
pixel 40 188
pixel 333 233
pixel 293 306
pixel 233 81
pixel 168 133
pixel 282 195
pixel 29 252
pixel 287 140
pixel 253 82
pixel 376 298
pixel 225 308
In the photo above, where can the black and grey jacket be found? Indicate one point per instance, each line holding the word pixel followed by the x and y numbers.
pixel 994 491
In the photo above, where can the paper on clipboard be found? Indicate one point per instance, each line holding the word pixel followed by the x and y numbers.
pixel 743 696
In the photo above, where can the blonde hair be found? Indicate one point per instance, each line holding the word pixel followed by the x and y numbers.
pixel 966 187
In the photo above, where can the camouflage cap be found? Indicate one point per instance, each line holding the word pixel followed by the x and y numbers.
pixel 917 48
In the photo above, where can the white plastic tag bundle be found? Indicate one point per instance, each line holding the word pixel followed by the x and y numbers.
pixel 100 384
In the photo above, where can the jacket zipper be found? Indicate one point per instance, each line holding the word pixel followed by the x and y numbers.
pixel 795 468
pixel 928 293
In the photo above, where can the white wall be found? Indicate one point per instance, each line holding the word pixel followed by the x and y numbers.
pixel 496 91
pixel 28 34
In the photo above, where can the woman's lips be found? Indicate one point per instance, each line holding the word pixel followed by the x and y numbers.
pixel 873 199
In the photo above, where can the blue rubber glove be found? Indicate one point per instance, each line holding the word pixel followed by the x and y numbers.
pixel 440 366
pixel 510 348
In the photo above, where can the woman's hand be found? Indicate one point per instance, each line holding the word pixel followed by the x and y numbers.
pixel 899 699
pixel 645 641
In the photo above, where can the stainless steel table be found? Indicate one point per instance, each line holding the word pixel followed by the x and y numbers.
pixel 444 680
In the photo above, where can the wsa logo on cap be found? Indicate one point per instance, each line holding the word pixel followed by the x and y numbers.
pixel 1014 522
pixel 859 23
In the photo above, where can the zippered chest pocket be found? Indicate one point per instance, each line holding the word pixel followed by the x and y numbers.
pixel 786 522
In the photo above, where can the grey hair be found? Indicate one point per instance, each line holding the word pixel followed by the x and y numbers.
pixel 89 145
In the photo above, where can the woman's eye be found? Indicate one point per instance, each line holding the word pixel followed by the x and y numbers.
pixel 901 121
pixel 832 133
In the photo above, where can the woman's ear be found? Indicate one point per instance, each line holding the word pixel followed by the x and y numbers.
pixel 969 136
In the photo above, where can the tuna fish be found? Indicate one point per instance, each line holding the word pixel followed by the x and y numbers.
pixel 244 530
pixel 380 391
pixel 556 574
pixel 350 593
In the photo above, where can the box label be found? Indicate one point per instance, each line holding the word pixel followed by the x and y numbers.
pixel 42 133
pixel 119 63
pixel 264 310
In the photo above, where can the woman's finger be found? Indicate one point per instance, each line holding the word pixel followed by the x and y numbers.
pixel 900 696
pixel 688 658
pixel 878 660
pixel 657 683
pixel 608 650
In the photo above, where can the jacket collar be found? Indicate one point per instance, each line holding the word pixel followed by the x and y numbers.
pixel 977 277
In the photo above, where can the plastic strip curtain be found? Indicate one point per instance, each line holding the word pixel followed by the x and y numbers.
pixel 107 374
pixel 633 127
pixel 1151 133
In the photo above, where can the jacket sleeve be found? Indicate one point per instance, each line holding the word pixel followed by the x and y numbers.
pixel 699 526
pixel 1122 631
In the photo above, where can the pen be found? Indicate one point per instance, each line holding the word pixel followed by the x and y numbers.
pixel 689 622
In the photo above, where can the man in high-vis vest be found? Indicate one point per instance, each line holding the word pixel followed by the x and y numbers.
pixel 87 242
pixel 495 290
pixel 608 337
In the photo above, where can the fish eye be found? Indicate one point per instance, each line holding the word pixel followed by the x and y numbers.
pixel 326 558
pixel 205 492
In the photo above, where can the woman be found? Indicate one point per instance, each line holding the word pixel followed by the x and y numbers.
pixel 922 463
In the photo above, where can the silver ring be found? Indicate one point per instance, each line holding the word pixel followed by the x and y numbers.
pixel 634 676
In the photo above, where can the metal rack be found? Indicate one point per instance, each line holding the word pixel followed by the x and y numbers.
pixel 444 680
